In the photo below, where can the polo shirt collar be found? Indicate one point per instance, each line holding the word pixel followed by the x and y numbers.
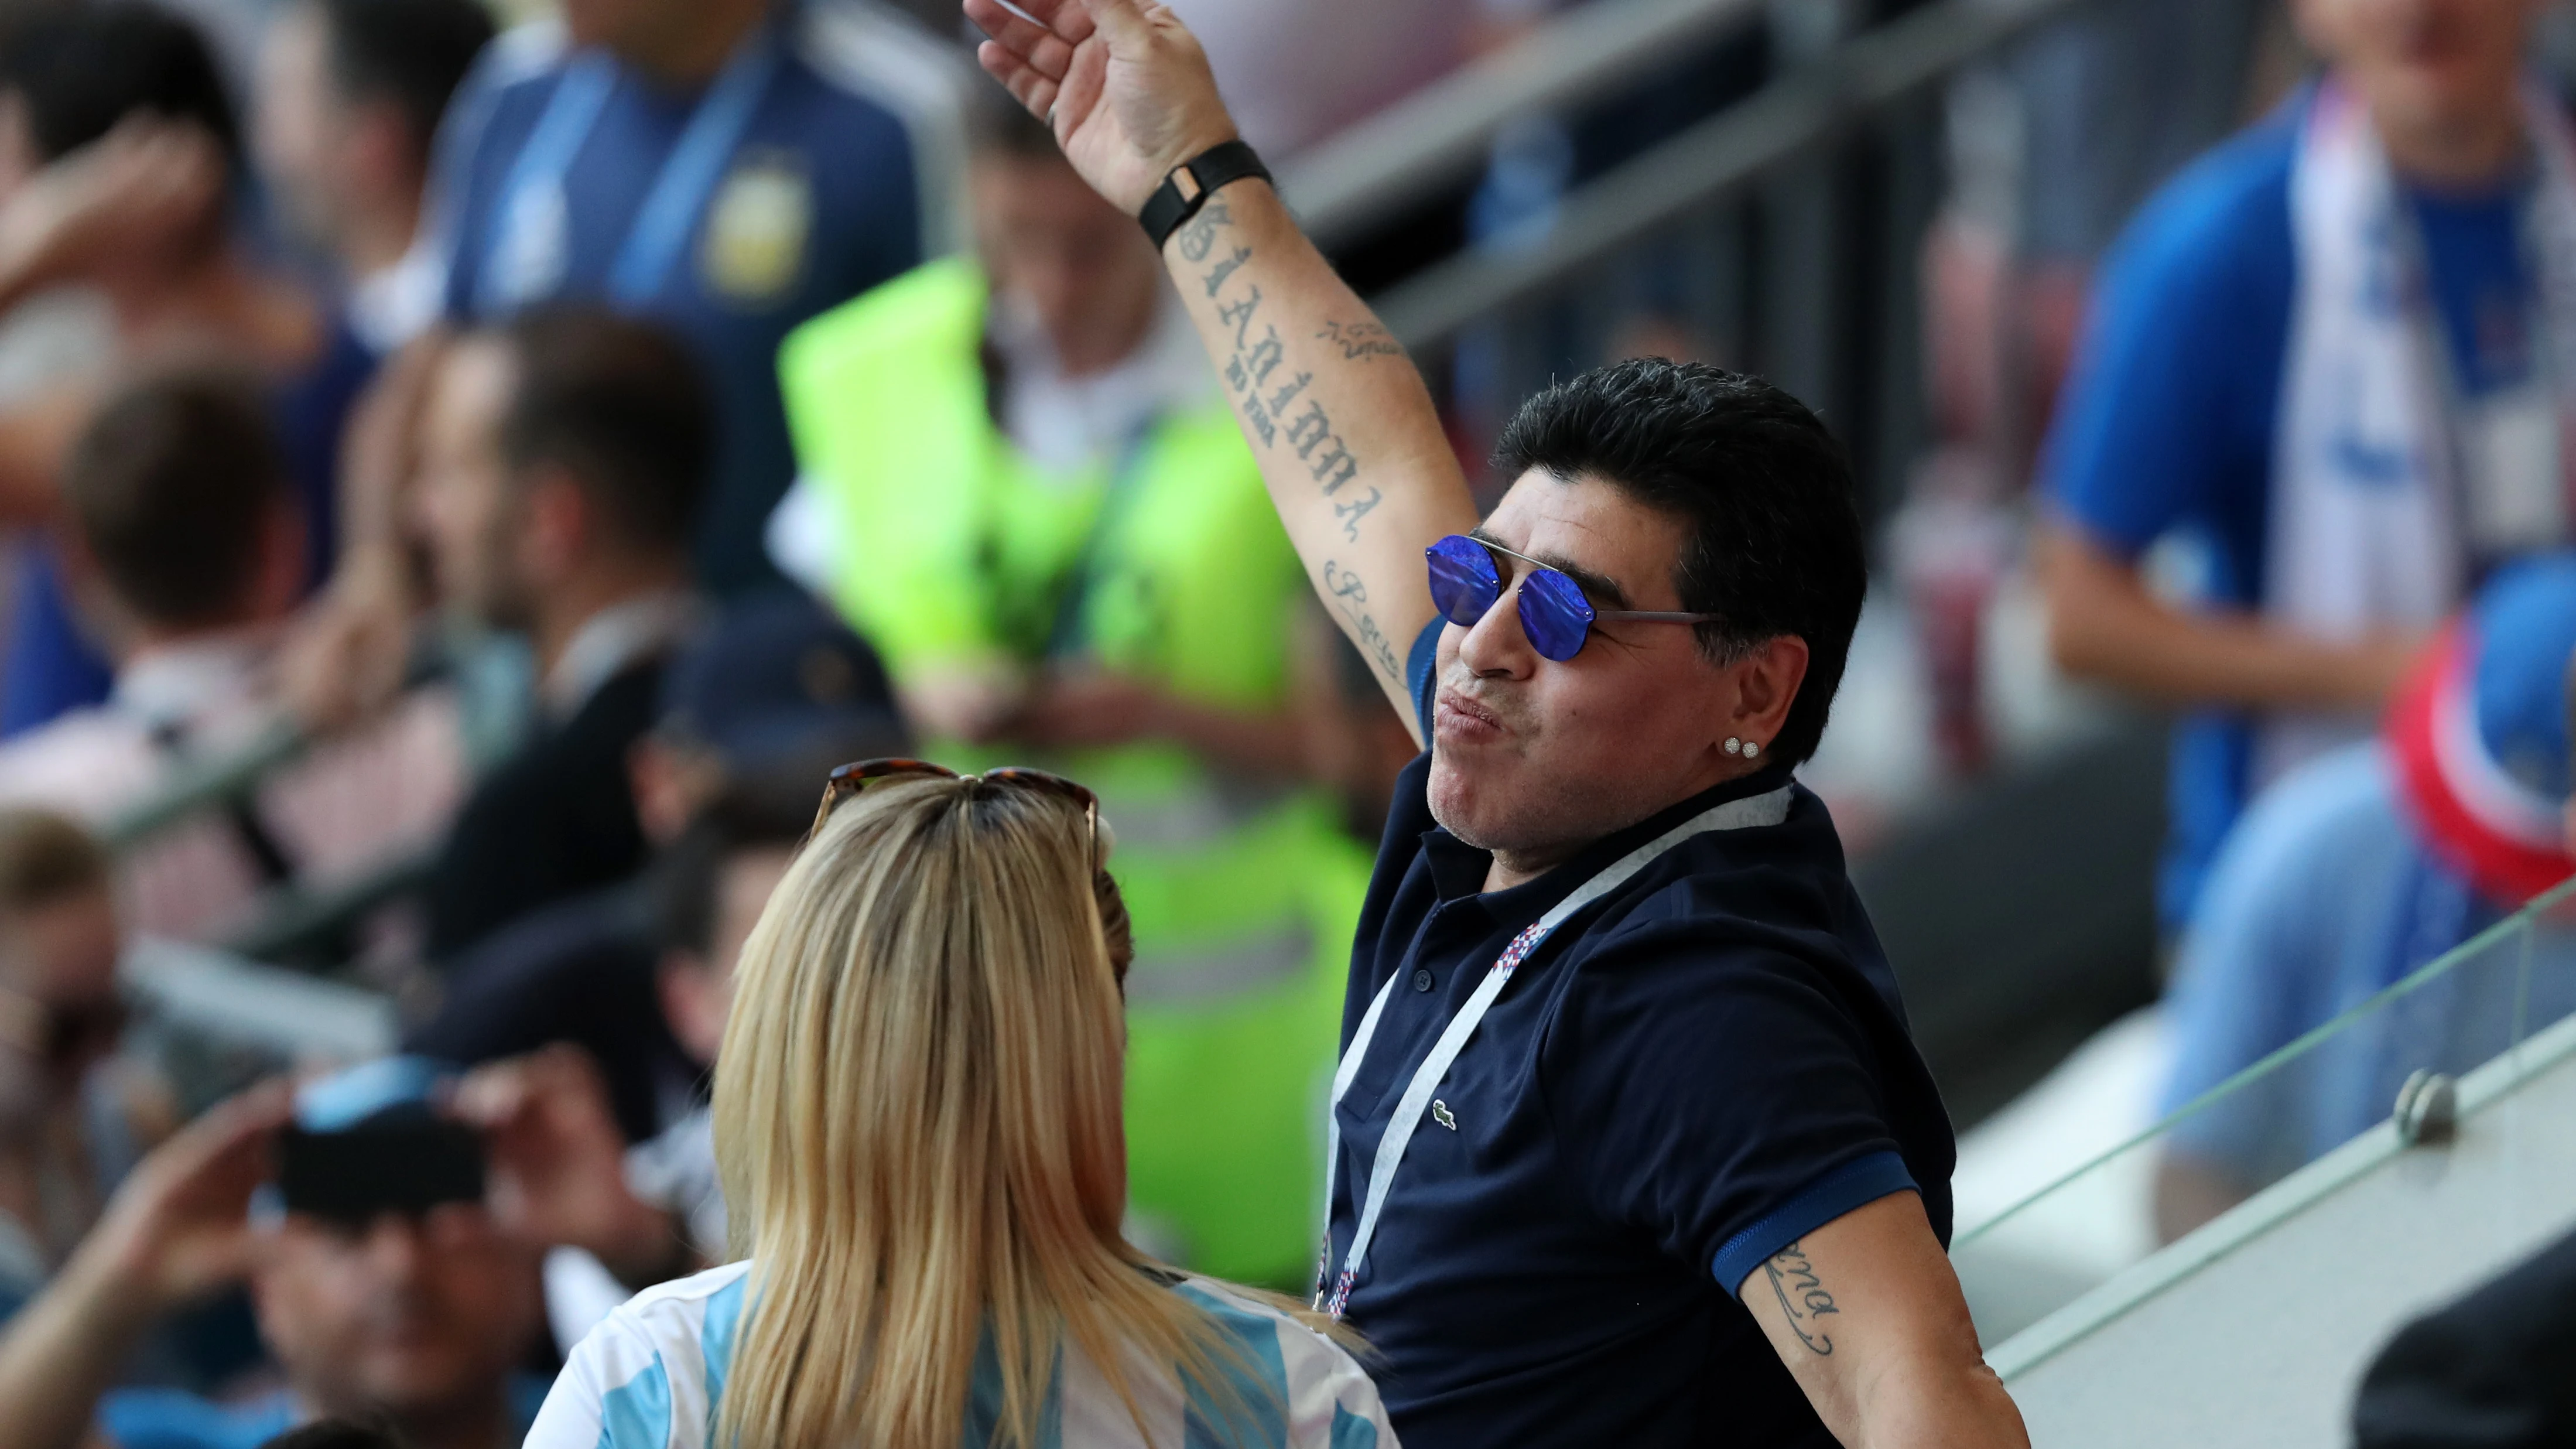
pixel 1458 869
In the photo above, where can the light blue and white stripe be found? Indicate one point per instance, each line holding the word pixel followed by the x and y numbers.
pixel 653 1374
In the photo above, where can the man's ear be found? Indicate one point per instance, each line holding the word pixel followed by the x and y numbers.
pixel 1767 679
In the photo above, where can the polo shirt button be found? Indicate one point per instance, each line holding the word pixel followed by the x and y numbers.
pixel 1422 979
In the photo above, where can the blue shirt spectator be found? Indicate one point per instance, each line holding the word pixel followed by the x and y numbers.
pixel 2170 424
pixel 2365 865
pixel 820 162
pixel 75 75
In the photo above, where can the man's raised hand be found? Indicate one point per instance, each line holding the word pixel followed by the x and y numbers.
pixel 1122 82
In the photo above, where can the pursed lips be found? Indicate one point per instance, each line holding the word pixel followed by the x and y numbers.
pixel 1459 713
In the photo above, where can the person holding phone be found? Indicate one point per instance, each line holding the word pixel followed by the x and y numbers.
pixel 354 1211
pixel 1629 1143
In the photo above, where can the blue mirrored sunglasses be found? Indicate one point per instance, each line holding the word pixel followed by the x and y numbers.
pixel 1466 582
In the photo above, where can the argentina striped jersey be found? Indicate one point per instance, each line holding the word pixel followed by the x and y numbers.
pixel 652 1376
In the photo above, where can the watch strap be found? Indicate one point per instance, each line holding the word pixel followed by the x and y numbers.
pixel 1192 183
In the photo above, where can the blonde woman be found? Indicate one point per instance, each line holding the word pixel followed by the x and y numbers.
pixel 918 1120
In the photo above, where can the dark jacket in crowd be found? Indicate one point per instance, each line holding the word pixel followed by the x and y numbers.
pixel 555 821
pixel 2496 1370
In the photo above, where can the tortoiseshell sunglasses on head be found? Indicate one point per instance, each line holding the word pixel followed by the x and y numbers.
pixel 849 780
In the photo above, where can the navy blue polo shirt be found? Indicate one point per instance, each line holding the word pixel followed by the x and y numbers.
pixel 1685 1078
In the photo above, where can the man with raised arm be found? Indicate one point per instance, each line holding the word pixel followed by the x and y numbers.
pixel 1626 1089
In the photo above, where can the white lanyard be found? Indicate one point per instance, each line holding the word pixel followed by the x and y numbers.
pixel 1767 809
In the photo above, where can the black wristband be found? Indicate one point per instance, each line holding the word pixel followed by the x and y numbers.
pixel 1192 183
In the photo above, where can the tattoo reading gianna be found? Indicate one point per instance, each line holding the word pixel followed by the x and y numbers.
pixel 1280 413
pixel 1802 1297
pixel 1270 392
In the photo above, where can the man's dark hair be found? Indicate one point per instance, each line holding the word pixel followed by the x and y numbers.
pixel 410 53
pixel 81 69
pixel 1774 543
pixel 772 812
pixel 171 489
pixel 622 406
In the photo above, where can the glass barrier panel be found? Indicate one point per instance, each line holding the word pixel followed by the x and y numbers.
pixel 2153 1128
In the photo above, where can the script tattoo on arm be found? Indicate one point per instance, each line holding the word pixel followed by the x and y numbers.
pixel 1802 1297
pixel 1350 600
pixel 1270 394
pixel 1361 341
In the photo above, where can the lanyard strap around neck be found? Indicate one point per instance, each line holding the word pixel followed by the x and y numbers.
pixel 662 227
pixel 1765 809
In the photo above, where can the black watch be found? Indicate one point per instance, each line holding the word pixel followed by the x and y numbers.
pixel 1192 183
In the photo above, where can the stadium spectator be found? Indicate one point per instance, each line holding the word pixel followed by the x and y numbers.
pixel 1028 491
pixel 655 1211
pixel 384 1290
pixel 184 547
pixel 73 1116
pixel 351 94
pixel 117 180
pixel 934 1254
pixel 2362 866
pixel 566 451
pixel 2262 380
pixel 727 167
pixel 1629 1143
pixel 774 690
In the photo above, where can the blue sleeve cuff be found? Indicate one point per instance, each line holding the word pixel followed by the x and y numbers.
pixel 1421 670
pixel 1854 1184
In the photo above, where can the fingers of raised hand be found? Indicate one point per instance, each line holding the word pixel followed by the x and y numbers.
pixel 1021 79
pixel 1043 49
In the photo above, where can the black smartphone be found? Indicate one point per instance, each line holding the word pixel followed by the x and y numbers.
pixel 406 1166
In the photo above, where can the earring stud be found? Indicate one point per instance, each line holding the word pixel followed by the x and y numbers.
pixel 1751 750
pixel 1734 746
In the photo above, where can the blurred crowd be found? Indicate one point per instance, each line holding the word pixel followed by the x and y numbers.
pixel 469 486
pixel 447 554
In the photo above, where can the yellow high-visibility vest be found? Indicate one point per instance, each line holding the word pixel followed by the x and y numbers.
pixel 960 551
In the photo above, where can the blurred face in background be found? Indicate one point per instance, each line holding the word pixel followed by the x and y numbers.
pixel 408 1316
pixel 466 507
pixel 1086 275
pixel 2426 65
pixel 696 995
pixel 634 28
pixel 60 1011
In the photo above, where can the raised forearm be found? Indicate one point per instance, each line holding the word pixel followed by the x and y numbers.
pixel 62 1353
pixel 1346 434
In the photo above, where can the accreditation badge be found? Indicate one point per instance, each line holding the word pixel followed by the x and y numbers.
pixel 758 227
pixel 2517 494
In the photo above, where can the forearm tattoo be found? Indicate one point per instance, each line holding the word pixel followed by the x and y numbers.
pixel 1281 415
pixel 1802 1297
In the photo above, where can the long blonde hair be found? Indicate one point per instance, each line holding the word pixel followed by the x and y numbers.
pixel 918 1121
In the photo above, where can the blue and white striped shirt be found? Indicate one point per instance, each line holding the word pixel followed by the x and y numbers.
pixel 652 1377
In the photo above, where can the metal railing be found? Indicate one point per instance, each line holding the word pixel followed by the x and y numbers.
pixel 1783 232
pixel 1794 116
pixel 1352 181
